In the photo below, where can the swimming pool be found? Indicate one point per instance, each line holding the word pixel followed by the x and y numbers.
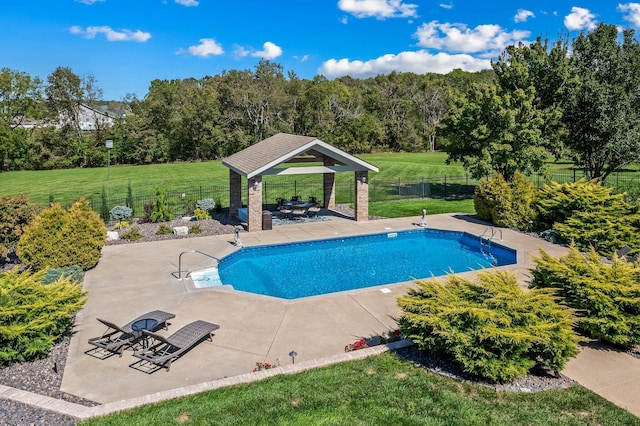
pixel 310 268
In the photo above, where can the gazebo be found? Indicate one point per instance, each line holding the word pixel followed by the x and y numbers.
pixel 268 156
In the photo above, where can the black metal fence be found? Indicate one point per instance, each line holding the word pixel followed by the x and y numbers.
pixel 182 202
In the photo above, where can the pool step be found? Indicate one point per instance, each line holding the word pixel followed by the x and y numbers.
pixel 206 278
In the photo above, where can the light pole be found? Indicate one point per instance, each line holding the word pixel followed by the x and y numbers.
pixel 109 145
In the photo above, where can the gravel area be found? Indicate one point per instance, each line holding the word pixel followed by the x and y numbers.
pixel 218 225
pixel 43 377
pixel 537 380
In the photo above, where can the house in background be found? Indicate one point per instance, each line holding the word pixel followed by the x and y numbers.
pixel 89 119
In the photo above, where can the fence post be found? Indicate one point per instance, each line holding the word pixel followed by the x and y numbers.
pixel 445 186
pixel 374 189
pixel 422 187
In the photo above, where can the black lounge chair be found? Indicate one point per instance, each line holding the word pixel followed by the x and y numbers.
pixel 164 350
pixel 116 339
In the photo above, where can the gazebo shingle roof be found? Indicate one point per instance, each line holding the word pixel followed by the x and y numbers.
pixel 279 148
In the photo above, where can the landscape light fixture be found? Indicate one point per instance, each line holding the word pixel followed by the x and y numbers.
pixel 108 144
pixel 293 355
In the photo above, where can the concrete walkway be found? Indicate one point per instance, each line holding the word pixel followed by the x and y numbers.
pixel 135 278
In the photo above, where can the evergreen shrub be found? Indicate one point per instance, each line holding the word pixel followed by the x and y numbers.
pixel 587 214
pixel 206 204
pixel 492 329
pixel 161 211
pixel 164 230
pixel 34 315
pixel 15 214
pixel 557 202
pixel 132 234
pixel 195 229
pixel 58 238
pixel 201 214
pixel 605 296
pixel 73 273
pixel 120 213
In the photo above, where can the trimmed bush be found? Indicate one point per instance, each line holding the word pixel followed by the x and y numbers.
pixel 206 204
pixel 32 315
pixel 492 329
pixel 491 195
pixel 587 214
pixel 15 214
pixel 606 296
pixel 558 202
pixel 195 229
pixel 120 213
pixel 507 204
pixel 201 214
pixel 58 238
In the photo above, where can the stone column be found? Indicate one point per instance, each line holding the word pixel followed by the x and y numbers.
pixel 235 192
pixel 362 196
pixel 254 206
pixel 329 186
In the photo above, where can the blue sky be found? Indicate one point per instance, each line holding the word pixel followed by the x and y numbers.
pixel 125 44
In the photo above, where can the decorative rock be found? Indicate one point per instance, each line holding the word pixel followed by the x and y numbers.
pixel 113 236
pixel 181 230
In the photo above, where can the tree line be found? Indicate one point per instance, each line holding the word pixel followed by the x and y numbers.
pixel 216 116
pixel 576 99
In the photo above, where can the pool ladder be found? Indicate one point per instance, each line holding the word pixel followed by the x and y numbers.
pixel 179 273
pixel 489 238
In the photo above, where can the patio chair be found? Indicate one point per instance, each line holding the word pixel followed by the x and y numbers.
pixel 164 350
pixel 297 213
pixel 313 211
pixel 116 339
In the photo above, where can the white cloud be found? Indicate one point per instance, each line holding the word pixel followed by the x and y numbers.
pixel 89 2
pixel 207 47
pixel 344 20
pixel 240 52
pixel 188 3
pixel 419 62
pixel 269 51
pixel 446 5
pixel 379 9
pixel 111 35
pixel 523 15
pixel 580 19
pixel 459 38
pixel 632 11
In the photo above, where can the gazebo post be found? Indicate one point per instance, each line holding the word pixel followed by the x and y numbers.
pixel 362 196
pixel 328 185
pixel 235 192
pixel 254 205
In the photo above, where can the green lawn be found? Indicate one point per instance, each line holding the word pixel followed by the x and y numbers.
pixel 380 390
pixel 67 185
pixel 414 208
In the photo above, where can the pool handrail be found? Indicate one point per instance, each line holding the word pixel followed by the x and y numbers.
pixel 179 277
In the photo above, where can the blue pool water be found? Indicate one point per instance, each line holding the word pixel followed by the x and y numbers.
pixel 311 268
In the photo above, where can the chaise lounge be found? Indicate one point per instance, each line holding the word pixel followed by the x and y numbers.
pixel 116 339
pixel 164 350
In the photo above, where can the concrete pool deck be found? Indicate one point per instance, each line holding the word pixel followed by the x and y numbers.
pixel 135 278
